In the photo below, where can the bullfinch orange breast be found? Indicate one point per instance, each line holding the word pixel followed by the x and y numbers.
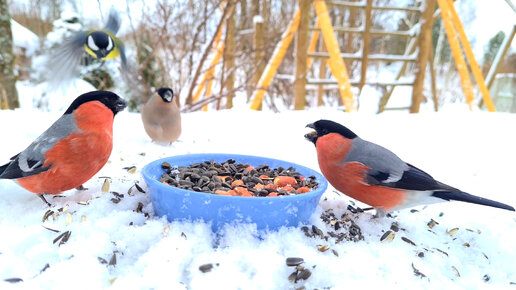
pixel 374 175
pixel 72 150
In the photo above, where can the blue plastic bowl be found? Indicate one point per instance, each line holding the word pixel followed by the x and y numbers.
pixel 266 212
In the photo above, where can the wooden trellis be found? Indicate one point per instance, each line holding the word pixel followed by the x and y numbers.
pixel 453 27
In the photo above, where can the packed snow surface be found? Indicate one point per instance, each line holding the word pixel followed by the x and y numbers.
pixel 112 245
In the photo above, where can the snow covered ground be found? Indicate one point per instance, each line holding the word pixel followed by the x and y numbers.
pixel 472 151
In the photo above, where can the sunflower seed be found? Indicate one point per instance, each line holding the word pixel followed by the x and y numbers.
pixel 486 278
pixel 47 214
pixel 388 236
pixel 206 268
pixel 294 261
pixel 13 280
pixel 432 223
pixel 408 241
pixel 452 231
pixel 335 252
pixel 63 238
pixel 102 260
pixel 112 261
pixel 105 186
pixel 303 275
pixel 139 207
pixel 130 169
pixel 139 188
pixel 293 277
pixel 317 231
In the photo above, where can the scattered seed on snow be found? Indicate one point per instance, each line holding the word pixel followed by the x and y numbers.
pixel 294 261
pixel 105 186
pixel 452 231
pixel 388 236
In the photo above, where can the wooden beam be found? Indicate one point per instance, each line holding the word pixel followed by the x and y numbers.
pixel 371 57
pixel 365 44
pixel 229 57
pixel 475 68
pixel 425 45
pixel 301 52
pixel 500 55
pixel 322 74
pixel 373 32
pixel 337 65
pixel 411 47
pixel 274 62
pixel 460 63
pixel 362 4
pixel 433 80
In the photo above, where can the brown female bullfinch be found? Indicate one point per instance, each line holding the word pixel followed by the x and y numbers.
pixel 161 117
pixel 72 150
pixel 374 175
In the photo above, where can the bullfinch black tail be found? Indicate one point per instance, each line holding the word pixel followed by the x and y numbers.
pixel 2 168
pixel 466 197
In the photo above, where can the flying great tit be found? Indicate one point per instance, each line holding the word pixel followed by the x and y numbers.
pixel 101 44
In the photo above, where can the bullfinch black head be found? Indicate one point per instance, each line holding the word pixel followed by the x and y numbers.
pixel 109 99
pixel 166 94
pixel 100 43
pixel 323 127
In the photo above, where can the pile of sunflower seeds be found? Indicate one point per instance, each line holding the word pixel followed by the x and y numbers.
pixel 342 229
pixel 210 176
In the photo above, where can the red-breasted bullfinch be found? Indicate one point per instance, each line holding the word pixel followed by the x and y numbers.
pixel 161 117
pixel 374 175
pixel 72 150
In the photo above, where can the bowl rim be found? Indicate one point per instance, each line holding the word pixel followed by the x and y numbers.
pixel 322 185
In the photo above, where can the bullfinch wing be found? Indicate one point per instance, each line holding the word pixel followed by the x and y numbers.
pixel 387 169
pixel 30 161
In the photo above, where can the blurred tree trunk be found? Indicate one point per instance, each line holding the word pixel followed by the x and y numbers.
pixel 8 93
pixel 229 58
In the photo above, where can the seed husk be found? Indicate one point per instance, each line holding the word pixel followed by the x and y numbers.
pixel 452 231
pixel 432 223
pixel 304 274
pixel 139 207
pixel 47 214
pixel 105 186
pixel 417 272
pixel 407 240
pixel 388 236
pixel 13 280
pixel 323 248
pixel 457 274
pixel 139 188
pixel 62 238
pixel 294 261
pixel 112 261
pixel 68 218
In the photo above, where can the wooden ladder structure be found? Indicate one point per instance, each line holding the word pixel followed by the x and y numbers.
pixel 334 58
